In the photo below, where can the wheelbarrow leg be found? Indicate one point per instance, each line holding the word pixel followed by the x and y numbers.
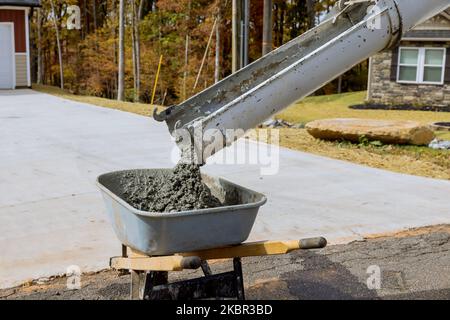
pixel 137 279
pixel 153 279
pixel 239 278
pixel 142 283
pixel 205 268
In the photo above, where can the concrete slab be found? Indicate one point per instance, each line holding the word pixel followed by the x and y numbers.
pixel 52 216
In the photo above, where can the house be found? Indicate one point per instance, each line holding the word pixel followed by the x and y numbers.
pixel 15 43
pixel 417 72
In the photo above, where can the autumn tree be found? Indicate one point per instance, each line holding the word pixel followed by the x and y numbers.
pixel 89 59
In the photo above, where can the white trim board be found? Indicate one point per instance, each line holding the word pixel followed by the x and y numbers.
pixel 426 39
pixel 27 45
pixel 13 8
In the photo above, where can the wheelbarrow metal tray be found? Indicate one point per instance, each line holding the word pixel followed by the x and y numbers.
pixel 168 233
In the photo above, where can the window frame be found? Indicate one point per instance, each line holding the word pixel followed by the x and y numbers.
pixel 420 74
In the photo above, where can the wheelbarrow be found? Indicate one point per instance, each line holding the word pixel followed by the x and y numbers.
pixel 155 233
pixel 154 244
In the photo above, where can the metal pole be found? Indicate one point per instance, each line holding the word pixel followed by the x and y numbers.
pixel 267 27
pixel 218 49
pixel 246 31
pixel 121 76
pixel 235 36
pixel 240 38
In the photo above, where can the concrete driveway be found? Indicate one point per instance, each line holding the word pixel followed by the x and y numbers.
pixel 52 215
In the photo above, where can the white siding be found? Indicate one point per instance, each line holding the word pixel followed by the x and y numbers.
pixel 21 70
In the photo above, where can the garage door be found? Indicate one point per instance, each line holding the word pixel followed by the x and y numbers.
pixel 6 56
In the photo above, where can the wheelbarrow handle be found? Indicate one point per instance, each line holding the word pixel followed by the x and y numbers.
pixel 146 263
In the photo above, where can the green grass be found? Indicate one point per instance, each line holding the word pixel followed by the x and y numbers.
pixel 337 106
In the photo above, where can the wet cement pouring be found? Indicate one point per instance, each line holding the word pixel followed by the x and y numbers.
pixel 180 190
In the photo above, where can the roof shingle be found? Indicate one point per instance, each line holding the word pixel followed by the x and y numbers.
pixel 22 3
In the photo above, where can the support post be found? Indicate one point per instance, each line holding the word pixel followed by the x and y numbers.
pixel 240 36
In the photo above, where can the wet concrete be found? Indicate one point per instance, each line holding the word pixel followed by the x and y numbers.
pixel 170 191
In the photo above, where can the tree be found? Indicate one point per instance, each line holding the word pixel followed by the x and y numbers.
pixel 116 53
pixel 39 47
pixel 121 74
pixel 136 16
pixel 61 70
pixel 311 11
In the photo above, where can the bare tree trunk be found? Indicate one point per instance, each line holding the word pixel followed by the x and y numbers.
pixel 339 88
pixel 39 47
pixel 94 9
pixel 84 27
pixel 94 13
pixel 133 47
pixel 310 5
pixel 218 47
pixel 281 30
pixel 186 53
pixel 138 46
pixel 267 27
pixel 61 71
pixel 121 75
pixel 205 55
pixel 113 32
pixel 136 20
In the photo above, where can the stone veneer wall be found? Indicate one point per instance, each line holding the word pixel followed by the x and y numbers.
pixel 385 91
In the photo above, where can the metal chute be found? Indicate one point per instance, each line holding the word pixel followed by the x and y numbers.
pixel 357 30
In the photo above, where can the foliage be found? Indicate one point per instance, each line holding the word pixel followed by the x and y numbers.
pixel 90 57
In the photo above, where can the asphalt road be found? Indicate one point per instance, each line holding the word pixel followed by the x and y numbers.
pixel 413 265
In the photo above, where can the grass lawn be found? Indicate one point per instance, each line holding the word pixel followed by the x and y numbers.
pixel 139 108
pixel 336 106
pixel 420 161
pixel 413 160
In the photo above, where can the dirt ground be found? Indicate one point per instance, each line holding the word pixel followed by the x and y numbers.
pixel 414 265
pixel 419 161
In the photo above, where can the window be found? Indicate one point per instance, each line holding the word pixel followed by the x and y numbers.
pixel 421 65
